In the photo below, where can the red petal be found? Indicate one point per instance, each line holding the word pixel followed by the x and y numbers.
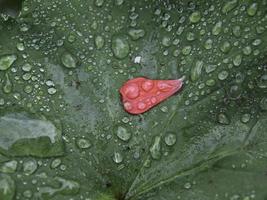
pixel 141 94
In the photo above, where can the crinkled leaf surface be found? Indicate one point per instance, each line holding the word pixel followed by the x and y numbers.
pixel 66 60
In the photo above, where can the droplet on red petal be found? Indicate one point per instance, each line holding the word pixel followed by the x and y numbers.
pixel 147 85
pixel 141 94
pixel 132 91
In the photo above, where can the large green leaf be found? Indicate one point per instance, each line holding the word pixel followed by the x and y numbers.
pixel 62 64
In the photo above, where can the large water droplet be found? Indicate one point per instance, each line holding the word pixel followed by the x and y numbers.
pixel 68 60
pixel 29 167
pixel 252 9
pixel 7 187
pixel 9 167
pixel 237 60
pixel 155 149
pixel 225 47
pixel 6 61
pixel 223 75
pixel 196 70
pixel 7 87
pixel 123 133
pixel 120 47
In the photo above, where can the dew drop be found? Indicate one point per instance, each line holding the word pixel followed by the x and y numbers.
pixel 223 119
pixel 252 9
pixel 6 61
pixel 123 133
pixel 155 149
pixel 216 30
pixel 223 75
pixel 29 167
pixel 99 42
pixel 7 87
pixel 208 44
pixel 230 5
pixel 237 60
pixel 132 91
pixel 120 47
pixel 117 157
pixel 225 47
pixel 186 50
pixel 68 60
pixel 147 85
pixel 196 70
pixel 170 139
pixel 195 17
pixel 245 118
pixel 263 103
pixel 83 143
pixel 136 34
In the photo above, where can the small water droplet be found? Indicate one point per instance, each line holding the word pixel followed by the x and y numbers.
pixel 83 143
pixel 252 9
pixel 186 50
pixel 208 44
pixel 99 42
pixel 9 167
pixel 223 119
pixel 245 118
pixel 155 149
pixel 223 75
pixel 263 103
pixel 123 133
pixel 170 139
pixel 117 157
pixel 229 5
pixel 55 163
pixel 195 17
pixel 216 30
pixel 237 60
pixel 225 47
pixel 7 87
pixel 136 34
pixel 120 47
pixel 196 70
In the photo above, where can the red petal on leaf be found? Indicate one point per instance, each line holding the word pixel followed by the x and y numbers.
pixel 141 94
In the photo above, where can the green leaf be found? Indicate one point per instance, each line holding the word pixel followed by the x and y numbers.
pixel 66 134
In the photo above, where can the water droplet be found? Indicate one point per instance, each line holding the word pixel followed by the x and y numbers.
pixel 99 42
pixel 262 82
pixel 210 82
pixel 186 50
pixel 216 30
pixel 9 167
pixel 166 41
pixel 195 17
pixel 263 104
pixel 252 9
pixel 235 92
pixel 6 61
pixel 20 46
pixel 247 50
pixel 29 167
pixel 27 194
pixel 223 119
pixel 187 185
pixel 256 42
pixel 208 44
pixel 55 163
pixel 28 89
pixel 225 47
pixel 119 2
pixel 99 3
pixel 27 67
pixel 196 70
pixel 190 36
pixel 7 87
pixel 147 85
pixel 223 75
pixel 170 139
pixel 136 34
pixel 141 105
pixel 123 133
pixel 237 60
pixel 7 187
pixel 230 5
pixel 117 157
pixel 51 90
pixel 237 31
pixel 132 91
pixel 68 60
pixel 83 143
pixel 120 47
pixel 210 68
pixel 155 149
pixel 245 118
